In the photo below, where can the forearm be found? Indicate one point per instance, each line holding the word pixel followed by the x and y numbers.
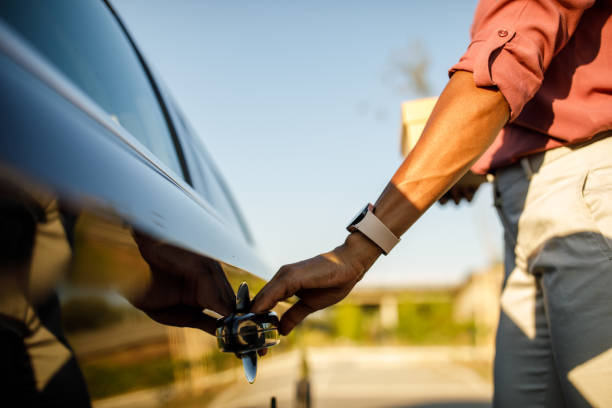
pixel 464 122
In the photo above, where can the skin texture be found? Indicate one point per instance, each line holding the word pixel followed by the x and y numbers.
pixel 464 122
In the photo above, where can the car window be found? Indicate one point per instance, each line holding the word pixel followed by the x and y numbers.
pixel 207 181
pixel 212 188
pixel 86 43
pixel 215 193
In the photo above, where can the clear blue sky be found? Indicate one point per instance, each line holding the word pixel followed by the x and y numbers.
pixel 294 102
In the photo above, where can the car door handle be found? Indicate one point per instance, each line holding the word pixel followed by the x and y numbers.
pixel 244 333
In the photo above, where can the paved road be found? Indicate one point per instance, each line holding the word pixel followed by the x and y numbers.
pixel 365 377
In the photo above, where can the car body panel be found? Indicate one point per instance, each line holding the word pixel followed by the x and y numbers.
pixel 89 194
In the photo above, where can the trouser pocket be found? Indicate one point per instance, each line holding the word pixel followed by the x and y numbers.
pixel 596 194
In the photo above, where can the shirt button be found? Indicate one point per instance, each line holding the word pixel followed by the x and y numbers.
pixel 502 33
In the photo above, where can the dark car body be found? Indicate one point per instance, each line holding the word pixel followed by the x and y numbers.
pixel 104 171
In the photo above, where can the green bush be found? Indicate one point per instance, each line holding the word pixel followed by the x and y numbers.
pixel 348 322
pixel 429 322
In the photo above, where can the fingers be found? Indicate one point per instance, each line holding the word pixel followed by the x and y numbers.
pixel 294 316
pixel 277 289
pixel 457 193
pixel 451 194
pixel 469 194
pixel 322 271
pixel 267 297
pixel 466 187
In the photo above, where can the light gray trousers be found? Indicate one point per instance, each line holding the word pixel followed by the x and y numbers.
pixel 554 340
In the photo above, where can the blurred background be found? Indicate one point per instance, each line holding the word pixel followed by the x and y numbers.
pixel 300 104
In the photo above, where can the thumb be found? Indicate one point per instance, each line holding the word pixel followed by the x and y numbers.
pixel 277 289
pixel 294 316
pixel 267 297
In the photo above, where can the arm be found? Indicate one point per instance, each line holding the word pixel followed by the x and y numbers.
pixel 513 42
pixel 463 124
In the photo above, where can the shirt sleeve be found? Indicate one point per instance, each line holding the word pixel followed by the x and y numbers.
pixel 514 41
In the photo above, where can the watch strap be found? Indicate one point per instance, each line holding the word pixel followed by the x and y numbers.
pixel 373 228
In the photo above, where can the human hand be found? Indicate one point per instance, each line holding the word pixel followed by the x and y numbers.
pixel 466 187
pixel 182 285
pixel 319 282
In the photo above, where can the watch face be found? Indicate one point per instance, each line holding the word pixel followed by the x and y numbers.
pixel 359 216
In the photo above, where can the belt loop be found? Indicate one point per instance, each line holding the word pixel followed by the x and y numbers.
pixel 527 168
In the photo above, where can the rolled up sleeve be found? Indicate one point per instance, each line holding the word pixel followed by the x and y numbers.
pixel 514 41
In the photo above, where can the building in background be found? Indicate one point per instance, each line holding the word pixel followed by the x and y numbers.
pixel 414 117
pixel 477 300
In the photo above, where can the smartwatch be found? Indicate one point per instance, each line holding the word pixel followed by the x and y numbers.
pixel 373 228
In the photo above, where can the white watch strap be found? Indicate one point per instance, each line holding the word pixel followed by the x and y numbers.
pixel 377 232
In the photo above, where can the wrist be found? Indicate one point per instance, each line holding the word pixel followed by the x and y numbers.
pixel 361 250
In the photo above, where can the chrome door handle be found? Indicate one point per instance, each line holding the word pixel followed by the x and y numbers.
pixel 243 332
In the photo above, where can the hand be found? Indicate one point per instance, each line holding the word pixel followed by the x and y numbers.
pixel 182 285
pixel 319 282
pixel 465 188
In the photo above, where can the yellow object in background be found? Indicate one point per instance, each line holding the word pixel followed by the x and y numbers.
pixel 414 117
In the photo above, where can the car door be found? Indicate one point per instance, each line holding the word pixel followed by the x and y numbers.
pixel 93 159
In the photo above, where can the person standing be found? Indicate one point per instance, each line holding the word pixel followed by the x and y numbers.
pixel 530 102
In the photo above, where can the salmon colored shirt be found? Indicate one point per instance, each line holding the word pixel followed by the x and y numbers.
pixel 552 61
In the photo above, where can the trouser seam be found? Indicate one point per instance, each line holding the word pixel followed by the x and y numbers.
pixel 498 204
